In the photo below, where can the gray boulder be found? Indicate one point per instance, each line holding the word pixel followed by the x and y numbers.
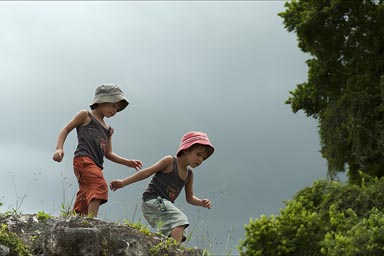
pixel 81 236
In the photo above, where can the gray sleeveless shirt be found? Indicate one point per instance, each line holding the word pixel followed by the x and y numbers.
pixel 166 185
pixel 93 140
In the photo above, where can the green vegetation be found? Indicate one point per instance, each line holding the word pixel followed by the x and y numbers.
pixel 162 247
pixel 42 216
pixel 66 210
pixel 345 86
pixel 11 241
pixel 139 226
pixel 329 218
pixel 345 92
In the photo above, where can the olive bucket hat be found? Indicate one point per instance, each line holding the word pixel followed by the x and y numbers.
pixel 109 93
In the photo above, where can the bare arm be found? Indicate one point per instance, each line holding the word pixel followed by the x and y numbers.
pixel 192 199
pixel 161 165
pixel 110 155
pixel 79 119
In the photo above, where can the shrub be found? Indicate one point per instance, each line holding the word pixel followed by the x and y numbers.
pixel 329 218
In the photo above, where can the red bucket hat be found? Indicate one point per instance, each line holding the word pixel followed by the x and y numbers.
pixel 191 138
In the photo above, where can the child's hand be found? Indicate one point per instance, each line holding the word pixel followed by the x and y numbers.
pixel 115 184
pixel 59 154
pixel 137 164
pixel 206 203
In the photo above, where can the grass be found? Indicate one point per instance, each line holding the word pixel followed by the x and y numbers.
pixel 139 226
pixel 66 206
pixel 201 237
pixel 163 247
pixel 42 216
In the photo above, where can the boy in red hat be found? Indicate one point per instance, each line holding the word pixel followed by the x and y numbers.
pixel 171 175
pixel 94 143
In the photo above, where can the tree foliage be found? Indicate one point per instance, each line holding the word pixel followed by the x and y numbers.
pixel 345 85
pixel 329 218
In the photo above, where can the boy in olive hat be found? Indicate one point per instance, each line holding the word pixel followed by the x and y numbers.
pixel 94 143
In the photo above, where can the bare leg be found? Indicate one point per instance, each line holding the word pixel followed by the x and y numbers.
pixel 93 208
pixel 177 233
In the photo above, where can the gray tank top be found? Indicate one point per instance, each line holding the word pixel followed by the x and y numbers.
pixel 166 185
pixel 93 141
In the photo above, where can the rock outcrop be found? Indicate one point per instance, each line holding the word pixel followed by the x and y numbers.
pixel 81 236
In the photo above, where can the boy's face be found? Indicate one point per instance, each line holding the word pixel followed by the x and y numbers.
pixel 109 109
pixel 197 155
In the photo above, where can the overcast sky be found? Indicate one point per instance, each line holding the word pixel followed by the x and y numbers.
pixel 224 68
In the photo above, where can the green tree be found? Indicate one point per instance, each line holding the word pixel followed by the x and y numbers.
pixel 345 85
pixel 329 218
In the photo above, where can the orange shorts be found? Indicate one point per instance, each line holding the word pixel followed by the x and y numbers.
pixel 92 184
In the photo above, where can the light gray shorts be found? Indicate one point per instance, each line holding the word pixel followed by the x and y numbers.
pixel 165 221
